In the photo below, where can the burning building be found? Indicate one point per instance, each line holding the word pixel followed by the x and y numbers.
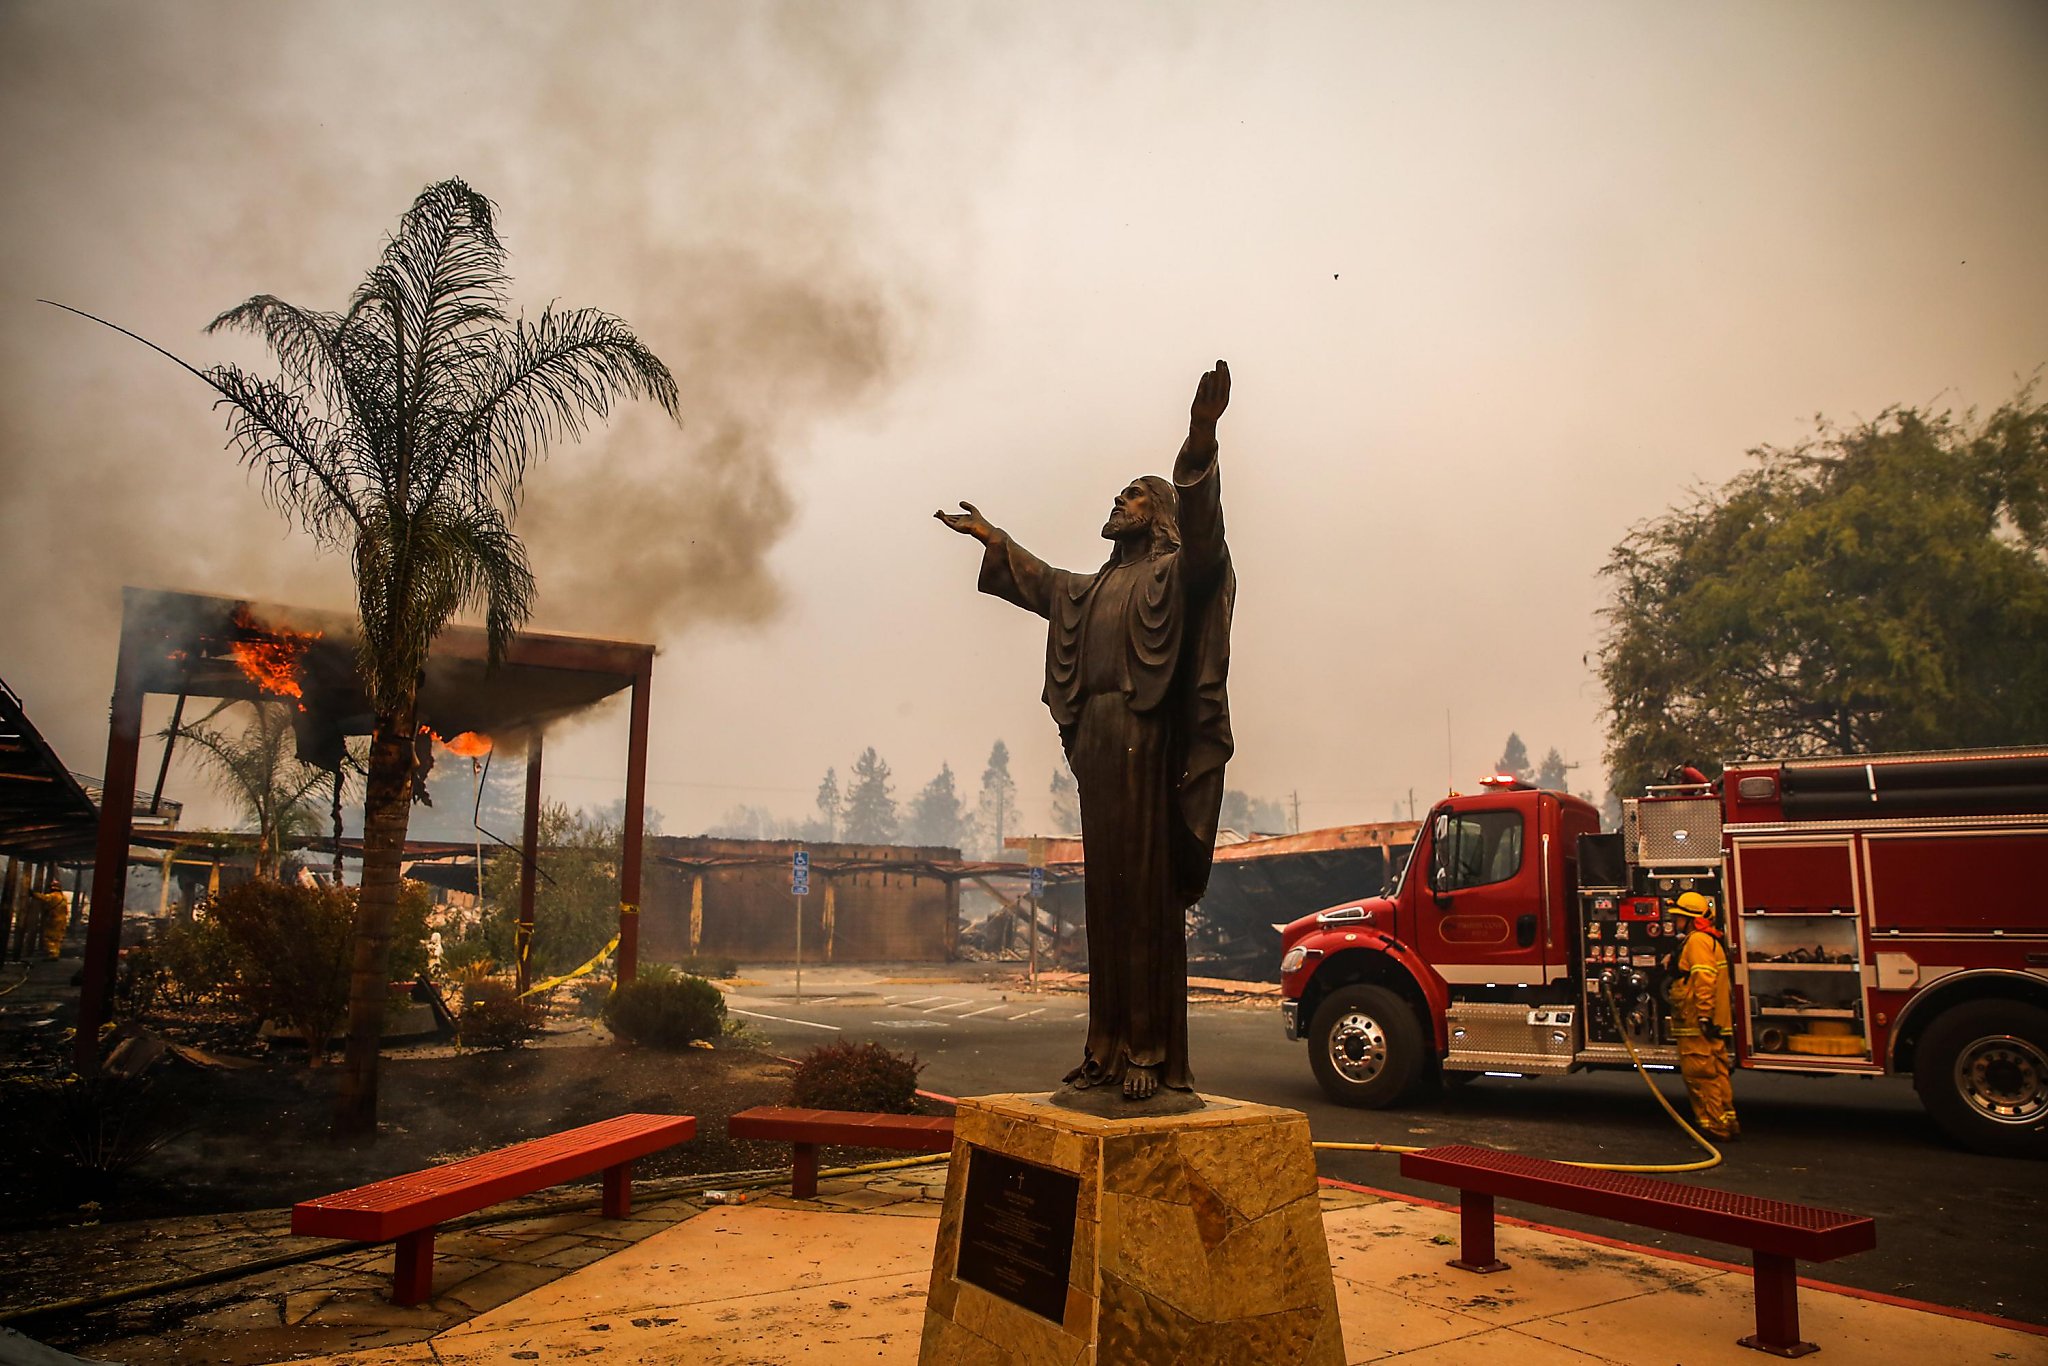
pixel 189 645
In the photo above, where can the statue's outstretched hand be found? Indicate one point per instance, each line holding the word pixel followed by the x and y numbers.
pixel 969 523
pixel 1212 396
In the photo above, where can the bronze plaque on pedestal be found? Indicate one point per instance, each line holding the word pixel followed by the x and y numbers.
pixel 1017 1231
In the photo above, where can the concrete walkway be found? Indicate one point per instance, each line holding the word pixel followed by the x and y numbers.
pixel 835 1280
pixel 842 1279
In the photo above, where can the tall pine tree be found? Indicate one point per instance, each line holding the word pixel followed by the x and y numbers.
pixel 829 805
pixel 937 815
pixel 870 806
pixel 998 807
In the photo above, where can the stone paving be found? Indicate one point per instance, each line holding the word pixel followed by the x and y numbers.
pixel 340 1301
pixel 779 1280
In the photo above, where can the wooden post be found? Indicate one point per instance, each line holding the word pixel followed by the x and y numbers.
pixel 636 818
pixel 529 857
pixel 110 863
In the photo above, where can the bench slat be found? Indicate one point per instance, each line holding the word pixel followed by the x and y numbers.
pixel 1771 1226
pixel 849 1128
pixel 402 1204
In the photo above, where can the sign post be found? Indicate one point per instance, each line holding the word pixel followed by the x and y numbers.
pixel 800 887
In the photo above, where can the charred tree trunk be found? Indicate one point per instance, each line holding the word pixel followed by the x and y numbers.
pixel 387 806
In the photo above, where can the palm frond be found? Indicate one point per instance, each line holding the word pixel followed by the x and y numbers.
pixel 303 458
pixel 550 377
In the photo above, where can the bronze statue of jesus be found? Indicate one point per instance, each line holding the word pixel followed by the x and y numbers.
pixel 1135 663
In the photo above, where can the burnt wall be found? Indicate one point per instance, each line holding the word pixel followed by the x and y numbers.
pixel 866 904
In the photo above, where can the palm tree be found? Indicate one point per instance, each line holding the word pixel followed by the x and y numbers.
pixel 400 431
pixel 259 768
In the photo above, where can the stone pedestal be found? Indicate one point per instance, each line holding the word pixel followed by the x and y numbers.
pixel 1195 1238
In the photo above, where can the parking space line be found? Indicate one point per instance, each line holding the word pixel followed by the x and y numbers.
pixel 947 1005
pixel 1029 1013
pixel 779 1019
pixel 919 1001
pixel 984 1010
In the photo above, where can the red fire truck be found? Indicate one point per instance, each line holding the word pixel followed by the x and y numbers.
pixel 1885 914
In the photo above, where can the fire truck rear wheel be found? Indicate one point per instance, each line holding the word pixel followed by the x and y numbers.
pixel 1982 1072
pixel 1365 1045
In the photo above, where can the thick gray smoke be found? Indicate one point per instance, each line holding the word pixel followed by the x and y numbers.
pixel 707 175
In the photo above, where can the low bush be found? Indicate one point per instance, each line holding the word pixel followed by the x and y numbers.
pixel 590 995
pixel 661 1008
pixel 283 952
pixel 199 960
pixel 495 1016
pixel 856 1076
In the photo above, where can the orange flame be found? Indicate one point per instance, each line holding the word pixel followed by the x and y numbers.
pixel 469 744
pixel 270 657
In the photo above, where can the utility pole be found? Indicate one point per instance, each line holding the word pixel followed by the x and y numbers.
pixel 1411 803
pixel 1295 797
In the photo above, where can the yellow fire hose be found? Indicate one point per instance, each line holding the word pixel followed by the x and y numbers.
pixel 1713 1159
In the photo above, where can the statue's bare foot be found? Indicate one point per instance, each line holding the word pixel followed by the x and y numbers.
pixel 1139 1083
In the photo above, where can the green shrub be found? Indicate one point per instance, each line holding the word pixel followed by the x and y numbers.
pixel 288 950
pixel 494 1016
pixel 855 1076
pixel 199 959
pixel 590 996
pixel 664 1009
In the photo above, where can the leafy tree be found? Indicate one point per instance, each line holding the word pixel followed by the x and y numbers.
pixel 575 894
pixel 399 432
pixel 1879 588
pixel 1514 758
pixel 830 808
pixel 259 769
pixel 870 806
pixel 1554 773
pixel 937 815
pixel 1066 800
pixel 287 950
pixel 998 805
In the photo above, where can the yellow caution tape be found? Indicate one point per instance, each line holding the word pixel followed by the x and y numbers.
pixel 554 982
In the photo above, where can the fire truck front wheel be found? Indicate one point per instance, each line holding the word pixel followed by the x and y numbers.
pixel 1982 1072
pixel 1366 1046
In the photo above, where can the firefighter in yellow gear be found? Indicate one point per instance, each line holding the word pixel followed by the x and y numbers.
pixel 1700 1019
pixel 56 909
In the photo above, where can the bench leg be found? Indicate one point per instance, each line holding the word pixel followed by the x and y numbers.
pixel 618 1191
pixel 1475 1234
pixel 1777 1308
pixel 803 1176
pixel 412 1280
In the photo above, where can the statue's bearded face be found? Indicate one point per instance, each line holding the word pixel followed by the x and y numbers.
pixel 1131 514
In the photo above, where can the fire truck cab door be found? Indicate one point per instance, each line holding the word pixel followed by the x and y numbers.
pixel 1480 915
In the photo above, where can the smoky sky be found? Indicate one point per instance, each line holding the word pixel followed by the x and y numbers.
pixel 1496 283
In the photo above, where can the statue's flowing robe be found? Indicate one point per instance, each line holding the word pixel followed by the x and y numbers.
pixel 1136 660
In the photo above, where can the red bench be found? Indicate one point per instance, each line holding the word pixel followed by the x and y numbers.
pixel 1778 1234
pixel 409 1207
pixel 808 1130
